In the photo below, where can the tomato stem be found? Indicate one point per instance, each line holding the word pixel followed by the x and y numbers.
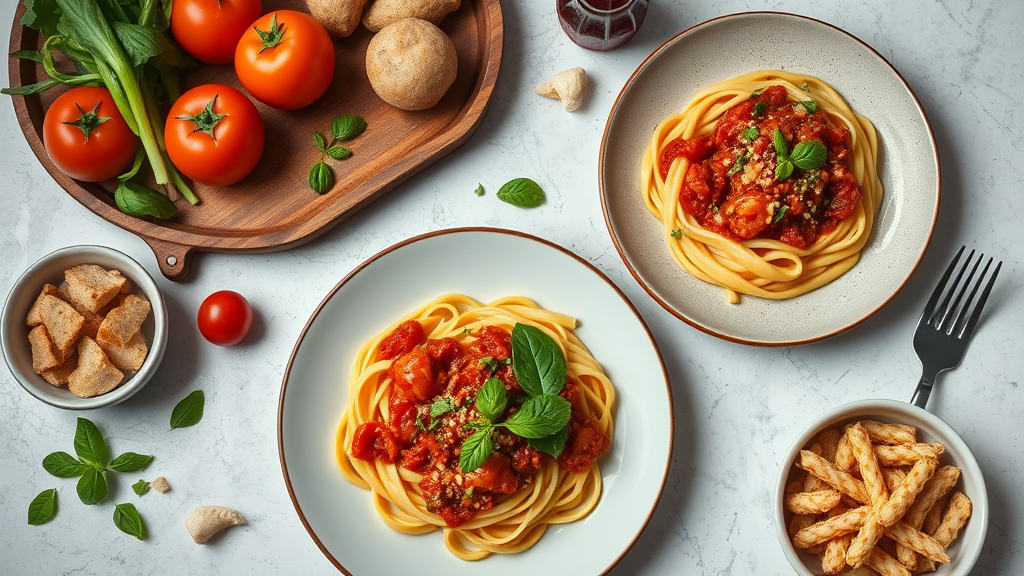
pixel 206 120
pixel 273 36
pixel 88 121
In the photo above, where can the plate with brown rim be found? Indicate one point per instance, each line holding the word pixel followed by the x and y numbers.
pixel 273 208
pixel 726 47
pixel 341 517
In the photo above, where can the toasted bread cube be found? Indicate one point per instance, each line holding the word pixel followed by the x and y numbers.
pixel 95 374
pixel 59 376
pixel 128 357
pixel 33 318
pixel 63 324
pixel 92 286
pixel 124 321
pixel 44 356
pixel 92 319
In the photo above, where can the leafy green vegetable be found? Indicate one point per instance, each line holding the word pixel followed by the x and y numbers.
pixel 43 507
pixel 127 520
pixel 141 487
pixel 89 444
pixel 521 193
pixel 551 445
pixel 318 139
pixel 321 178
pixel 537 361
pixel 492 399
pixel 339 152
pixel 347 127
pixel 751 133
pixel 139 201
pixel 540 416
pixel 475 450
pixel 63 465
pixel 189 411
pixel 92 486
pixel 130 462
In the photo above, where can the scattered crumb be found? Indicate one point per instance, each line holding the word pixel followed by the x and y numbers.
pixel 160 484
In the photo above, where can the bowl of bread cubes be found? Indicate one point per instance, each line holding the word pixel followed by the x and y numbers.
pixel 84 327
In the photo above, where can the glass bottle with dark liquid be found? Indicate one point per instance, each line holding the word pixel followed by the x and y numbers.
pixel 601 24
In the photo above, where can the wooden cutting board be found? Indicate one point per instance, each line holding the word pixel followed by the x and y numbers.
pixel 273 208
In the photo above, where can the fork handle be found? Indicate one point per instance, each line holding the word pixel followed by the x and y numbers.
pixel 921 393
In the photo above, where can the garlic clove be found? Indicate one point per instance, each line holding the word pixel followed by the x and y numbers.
pixel 569 86
pixel 206 521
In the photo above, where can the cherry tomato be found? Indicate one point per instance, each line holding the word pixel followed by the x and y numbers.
pixel 285 59
pixel 209 29
pixel 86 137
pixel 214 135
pixel 225 318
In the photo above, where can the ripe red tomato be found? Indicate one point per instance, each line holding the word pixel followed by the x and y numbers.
pixel 292 67
pixel 209 29
pixel 225 318
pixel 86 137
pixel 214 135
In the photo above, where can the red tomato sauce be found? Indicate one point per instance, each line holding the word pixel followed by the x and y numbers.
pixel 424 372
pixel 731 186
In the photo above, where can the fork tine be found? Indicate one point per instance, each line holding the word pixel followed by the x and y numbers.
pixel 955 310
pixel 968 328
pixel 929 308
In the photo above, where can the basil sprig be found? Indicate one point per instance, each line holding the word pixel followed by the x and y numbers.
pixel 543 418
pixel 93 463
pixel 808 155
pixel 43 507
pixel 321 176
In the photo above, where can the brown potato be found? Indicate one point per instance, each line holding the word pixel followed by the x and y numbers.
pixel 380 13
pixel 411 64
pixel 339 17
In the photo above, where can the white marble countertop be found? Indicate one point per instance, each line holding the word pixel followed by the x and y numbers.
pixel 737 408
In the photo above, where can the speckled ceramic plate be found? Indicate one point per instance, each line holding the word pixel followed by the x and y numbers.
pixel 341 517
pixel 727 47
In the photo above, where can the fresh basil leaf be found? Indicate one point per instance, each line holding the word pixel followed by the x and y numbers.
pixel 347 127
pixel 492 399
pixel 809 155
pixel 783 170
pixel 29 89
pixel 441 407
pixel 63 465
pixel 127 520
pixel 809 105
pixel 479 190
pixel 130 462
pixel 339 152
pixel 760 108
pixel 92 486
pixel 189 411
pixel 677 233
pixel 318 139
pixel 751 133
pixel 738 165
pixel 779 214
pixel 781 148
pixel 476 450
pixel 321 178
pixel 141 487
pixel 537 361
pixel 139 201
pixel 33 55
pixel 521 193
pixel 43 507
pixel 540 416
pixel 89 443
pixel 551 445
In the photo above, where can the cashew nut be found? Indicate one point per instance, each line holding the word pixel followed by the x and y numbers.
pixel 206 521
pixel 569 86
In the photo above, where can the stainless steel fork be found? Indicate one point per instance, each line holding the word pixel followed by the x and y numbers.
pixel 945 328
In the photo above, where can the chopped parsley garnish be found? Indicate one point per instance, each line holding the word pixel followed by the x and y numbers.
pixel 756 93
pixel 751 133
pixel 677 233
pixel 780 213
pixel 760 108
pixel 805 87
pixel 491 363
pixel 809 105
pixel 741 161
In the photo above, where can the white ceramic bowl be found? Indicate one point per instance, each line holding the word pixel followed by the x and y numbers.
pixel 14 331
pixel 964 551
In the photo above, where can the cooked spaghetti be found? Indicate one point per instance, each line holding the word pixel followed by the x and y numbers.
pixel 420 391
pixel 765 184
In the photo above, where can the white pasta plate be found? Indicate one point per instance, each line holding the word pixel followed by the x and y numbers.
pixel 341 517
pixel 727 47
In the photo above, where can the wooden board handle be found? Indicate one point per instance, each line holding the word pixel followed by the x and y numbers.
pixel 175 260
